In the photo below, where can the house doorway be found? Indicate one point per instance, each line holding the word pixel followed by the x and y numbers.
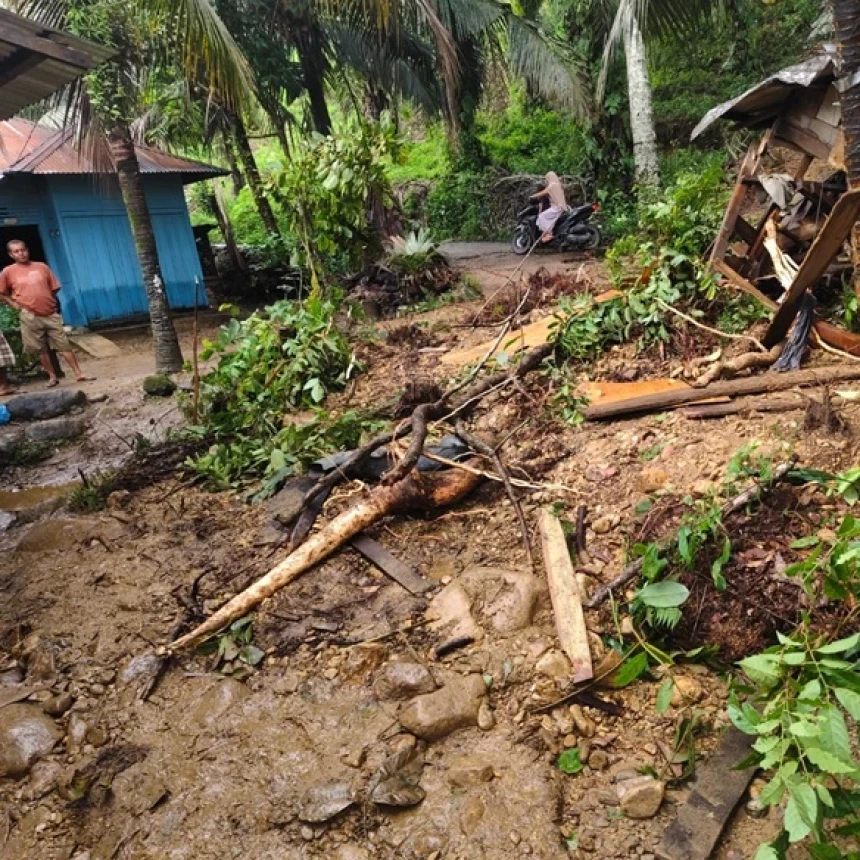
pixel 28 233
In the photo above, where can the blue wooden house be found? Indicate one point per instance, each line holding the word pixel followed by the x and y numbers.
pixel 73 218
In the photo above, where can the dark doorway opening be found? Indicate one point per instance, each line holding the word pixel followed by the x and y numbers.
pixel 28 233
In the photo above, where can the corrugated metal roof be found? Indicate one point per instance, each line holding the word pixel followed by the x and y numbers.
pixel 26 147
pixel 765 100
pixel 36 61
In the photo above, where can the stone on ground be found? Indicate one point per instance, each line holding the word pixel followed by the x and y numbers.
pixel 401 680
pixel 159 385
pixel 641 797
pixel 438 714
pixel 45 404
pixel 26 735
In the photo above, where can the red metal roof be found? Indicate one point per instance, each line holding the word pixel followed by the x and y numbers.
pixel 26 147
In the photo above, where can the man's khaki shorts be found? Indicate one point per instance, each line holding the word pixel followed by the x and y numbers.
pixel 38 333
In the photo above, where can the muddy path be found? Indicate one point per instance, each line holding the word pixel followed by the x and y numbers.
pixel 330 747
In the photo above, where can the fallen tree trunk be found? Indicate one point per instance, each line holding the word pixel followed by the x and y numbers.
pixel 730 388
pixel 414 492
pixel 633 569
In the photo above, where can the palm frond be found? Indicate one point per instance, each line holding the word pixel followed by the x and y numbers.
pixel 549 66
pixel 204 44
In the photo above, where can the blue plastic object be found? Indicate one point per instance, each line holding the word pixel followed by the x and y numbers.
pixel 5 417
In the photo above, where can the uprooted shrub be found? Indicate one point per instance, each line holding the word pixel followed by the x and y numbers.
pixel 283 360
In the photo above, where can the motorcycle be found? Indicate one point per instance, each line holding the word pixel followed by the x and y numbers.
pixel 572 231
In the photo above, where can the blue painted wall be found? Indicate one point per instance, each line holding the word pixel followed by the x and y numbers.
pixel 88 242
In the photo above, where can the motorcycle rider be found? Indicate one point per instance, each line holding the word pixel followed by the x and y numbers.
pixel 558 206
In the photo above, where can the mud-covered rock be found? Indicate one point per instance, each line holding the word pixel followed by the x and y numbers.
pixel 323 802
pixel 217 700
pixel 26 735
pixel 502 600
pixel 41 405
pixel 640 797
pixel 401 680
pixel 554 665
pixel 469 770
pixel 287 504
pixel 10 439
pixel 56 429
pixel 56 706
pixel 651 479
pixel 453 707
pixel 159 385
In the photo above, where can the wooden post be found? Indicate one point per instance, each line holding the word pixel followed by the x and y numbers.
pixel 733 210
pixel 566 600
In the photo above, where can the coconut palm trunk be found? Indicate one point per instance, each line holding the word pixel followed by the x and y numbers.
pixel 641 107
pixel 846 25
pixel 252 175
pixel 168 356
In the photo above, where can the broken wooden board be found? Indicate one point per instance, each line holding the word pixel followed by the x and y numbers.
pixel 613 392
pixel 95 345
pixel 715 794
pixel 662 401
pixel 390 565
pixel 528 337
pixel 826 246
pixel 564 593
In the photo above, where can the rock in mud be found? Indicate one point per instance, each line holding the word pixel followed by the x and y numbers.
pixel 455 706
pixel 640 797
pixel 486 717
pixel 402 680
pixel 287 504
pixel 45 404
pixel 159 385
pixel 397 781
pixel 469 770
pixel 56 429
pixel 687 691
pixel 554 665
pixel 217 700
pixel 323 802
pixel 55 534
pixel 75 733
pixel 10 439
pixel 140 666
pixel 504 600
pixel 56 706
pixel 450 612
pixel 26 735
pixel 43 778
pixel 651 480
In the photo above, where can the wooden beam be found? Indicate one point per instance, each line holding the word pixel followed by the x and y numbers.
pixel 743 284
pixel 21 37
pixel 805 142
pixel 827 244
pixel 717 790
pixel 745 231
pixel 565 596
pixel 733 210
pixel 18 64
pixel 390 565
pixel 728 388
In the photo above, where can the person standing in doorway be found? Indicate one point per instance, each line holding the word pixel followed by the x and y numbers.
pixel 32 289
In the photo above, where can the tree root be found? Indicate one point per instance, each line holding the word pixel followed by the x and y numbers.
pixel 730 367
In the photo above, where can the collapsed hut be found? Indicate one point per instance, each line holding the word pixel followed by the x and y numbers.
pixel 784 233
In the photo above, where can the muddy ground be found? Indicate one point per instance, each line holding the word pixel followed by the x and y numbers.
pixel 212 766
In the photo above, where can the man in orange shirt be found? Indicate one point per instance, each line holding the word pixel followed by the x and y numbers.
pixel 31 288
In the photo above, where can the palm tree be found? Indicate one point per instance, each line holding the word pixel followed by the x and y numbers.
pixel 186 35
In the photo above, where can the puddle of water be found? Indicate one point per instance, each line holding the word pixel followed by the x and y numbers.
pixel 22 500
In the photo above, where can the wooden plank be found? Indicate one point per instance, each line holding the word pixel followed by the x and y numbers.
pixel 18 64
pixel 528 337
pixel 743 284
pixel 804 141
pixel 566 599
pixel 717 791
pixel 745 231
pixel 733 210
pixel 612 392
pixel 826 246
pixel 727 388
pixel 390 565
pixel 95 345
pixel 14 34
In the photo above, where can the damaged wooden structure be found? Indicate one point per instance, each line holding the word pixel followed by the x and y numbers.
pixel 798 109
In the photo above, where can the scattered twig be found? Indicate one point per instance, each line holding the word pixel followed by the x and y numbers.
pixel 759 346
pixel 634 568
pixel 579 534
pixel 493 453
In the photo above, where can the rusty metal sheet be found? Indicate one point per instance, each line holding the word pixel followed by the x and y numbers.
pixel 765 100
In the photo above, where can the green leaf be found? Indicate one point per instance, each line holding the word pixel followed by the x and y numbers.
pixel 762 669
pixel 811 690
pixel 828 762
pixel 849 700
pixel 805 542
pixel 773 792
pixel 840 646
pixel 834 733
pixel 824 796
pixel 801 811
pixel 766 852
pixel 663 595
pixel 569 762
pixel 630 670
pixel 664 696
pixel 251 654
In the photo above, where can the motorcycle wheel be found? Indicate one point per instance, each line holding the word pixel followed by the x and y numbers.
pixel 522 241
pixel 593 238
